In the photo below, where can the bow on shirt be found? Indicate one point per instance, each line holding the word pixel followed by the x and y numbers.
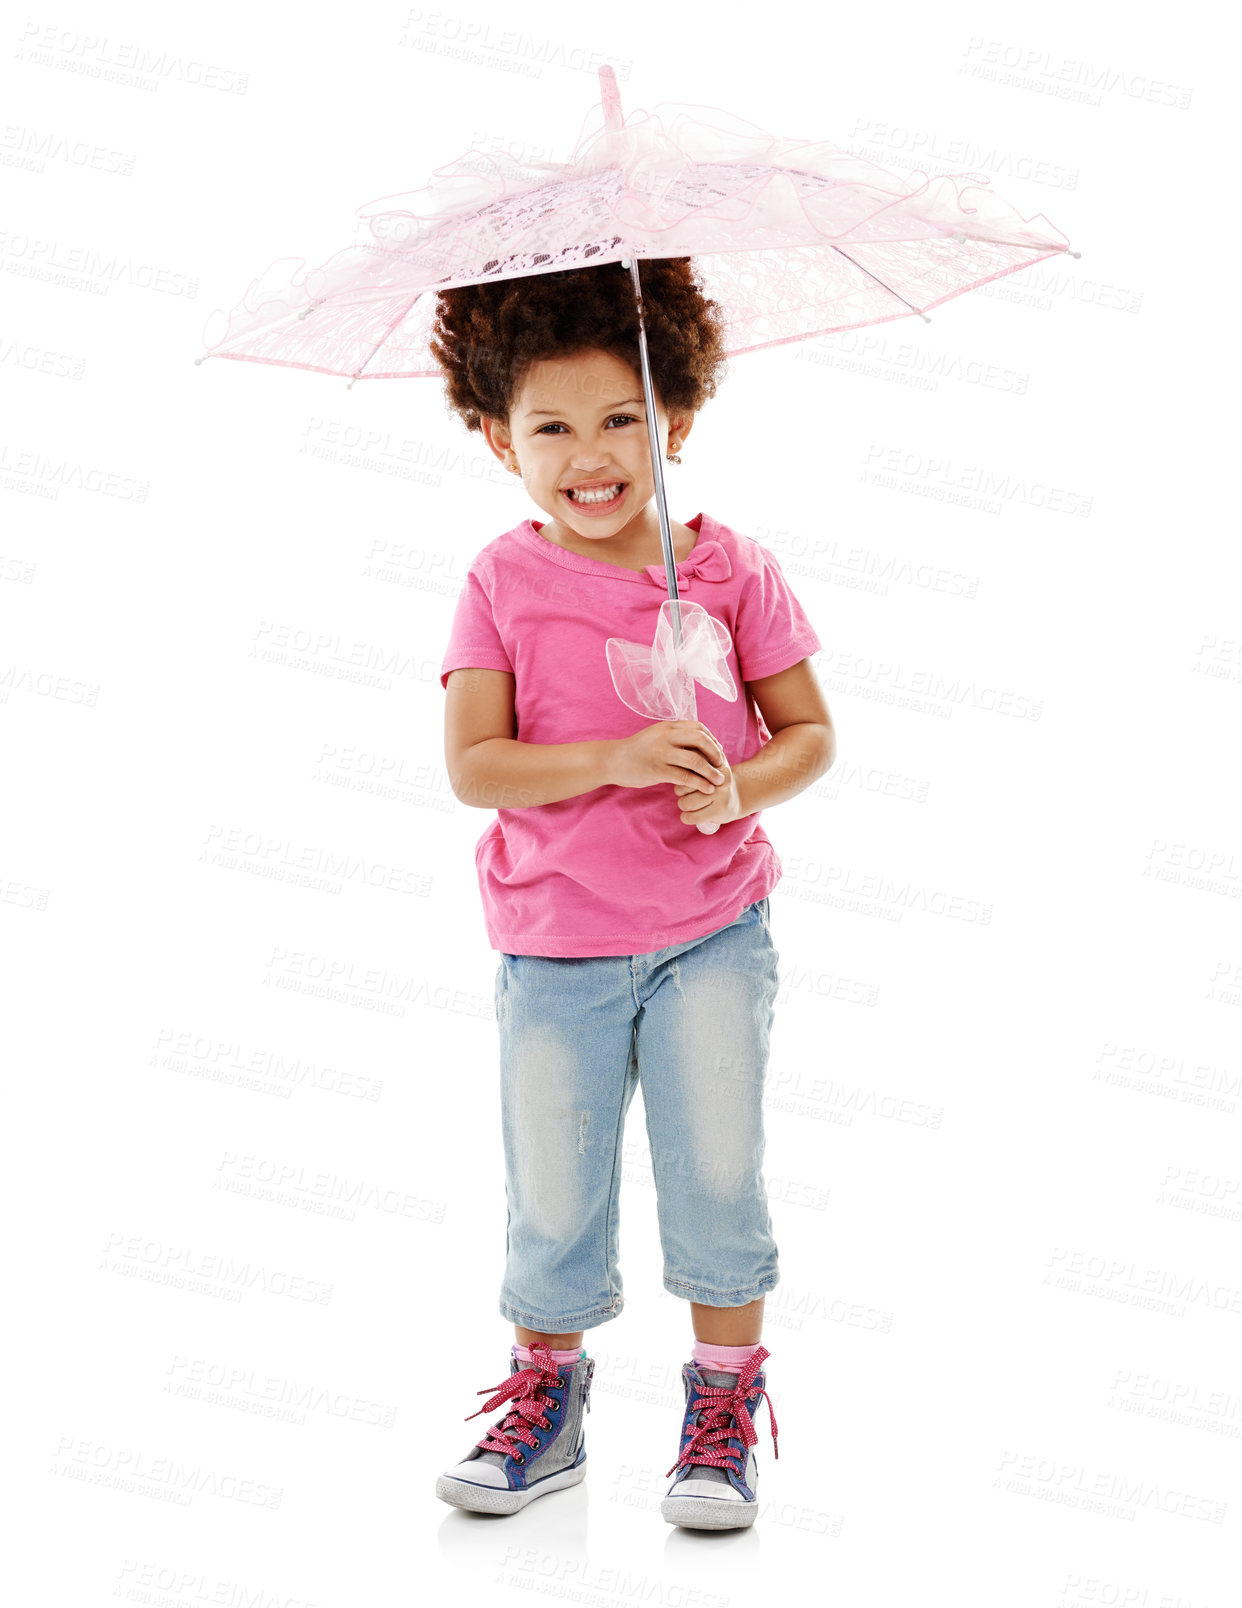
pixel 708 561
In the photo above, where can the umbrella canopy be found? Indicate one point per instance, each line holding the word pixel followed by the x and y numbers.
pixel 793 238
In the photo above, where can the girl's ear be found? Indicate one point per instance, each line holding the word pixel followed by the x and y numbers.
pixel 496 434
pixel 680 425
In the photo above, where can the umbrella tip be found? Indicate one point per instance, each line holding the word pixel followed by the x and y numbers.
pixel 610 95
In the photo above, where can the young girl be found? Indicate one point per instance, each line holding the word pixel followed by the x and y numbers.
pixel 632 945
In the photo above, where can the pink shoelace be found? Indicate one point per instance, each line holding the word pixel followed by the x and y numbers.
pixel 526 1390
pixel 722 1408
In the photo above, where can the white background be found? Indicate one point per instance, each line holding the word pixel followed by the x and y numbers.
pixel 1003 1153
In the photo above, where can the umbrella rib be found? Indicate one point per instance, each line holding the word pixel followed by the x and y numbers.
pixel 883 286
pixel 401 315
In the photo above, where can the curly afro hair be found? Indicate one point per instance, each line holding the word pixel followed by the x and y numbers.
pixel 486 337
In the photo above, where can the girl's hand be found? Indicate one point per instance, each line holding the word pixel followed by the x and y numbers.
pixel 680 751
pixel 712 808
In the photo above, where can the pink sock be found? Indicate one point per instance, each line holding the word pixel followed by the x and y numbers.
pixel 522 1353
pixel 728 1358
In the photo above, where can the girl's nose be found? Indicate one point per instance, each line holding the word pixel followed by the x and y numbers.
pixel 600 452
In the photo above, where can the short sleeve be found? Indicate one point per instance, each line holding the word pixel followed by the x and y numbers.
pixel 771 631
pixel 474 642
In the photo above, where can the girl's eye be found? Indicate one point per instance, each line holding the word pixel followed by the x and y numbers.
pixel 628 417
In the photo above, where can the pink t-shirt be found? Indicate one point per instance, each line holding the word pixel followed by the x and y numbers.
pixel 616 871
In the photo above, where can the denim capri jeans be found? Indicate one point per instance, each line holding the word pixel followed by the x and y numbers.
pixel 576 1035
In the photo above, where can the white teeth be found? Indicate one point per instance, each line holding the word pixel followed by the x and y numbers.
pixel 600 494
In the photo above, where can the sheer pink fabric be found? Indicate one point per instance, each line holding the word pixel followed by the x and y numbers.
pixel 658 680
pixel 793 238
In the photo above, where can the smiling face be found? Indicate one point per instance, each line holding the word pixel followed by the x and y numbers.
pixel 580 422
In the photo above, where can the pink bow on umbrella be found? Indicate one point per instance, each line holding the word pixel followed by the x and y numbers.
pixel 658 679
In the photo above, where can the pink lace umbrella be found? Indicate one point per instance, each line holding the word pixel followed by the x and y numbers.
pixel 793 238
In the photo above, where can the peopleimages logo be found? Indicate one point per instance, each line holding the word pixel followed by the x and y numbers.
pixel 944 480
pixel 917 687
pixel 120 61
pixel 1047 72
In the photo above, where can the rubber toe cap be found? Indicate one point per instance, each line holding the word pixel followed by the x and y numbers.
pixel 717 1490
pixel 476 1472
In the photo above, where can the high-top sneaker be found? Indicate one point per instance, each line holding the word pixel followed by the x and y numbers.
pixel 537 1447
pixel 716 1487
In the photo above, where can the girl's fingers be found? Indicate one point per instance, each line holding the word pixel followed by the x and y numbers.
pixel 707 766
pixel 702 739
pixel 713 749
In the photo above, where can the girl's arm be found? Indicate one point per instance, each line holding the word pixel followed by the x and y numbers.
pixel 490 768
pixel 804 740
pixel 803 746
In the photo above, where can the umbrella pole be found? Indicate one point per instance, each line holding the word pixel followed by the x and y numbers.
pixel 657 457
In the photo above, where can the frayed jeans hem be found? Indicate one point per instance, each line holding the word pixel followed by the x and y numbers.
pixel 722 1298
pixel 570 1325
